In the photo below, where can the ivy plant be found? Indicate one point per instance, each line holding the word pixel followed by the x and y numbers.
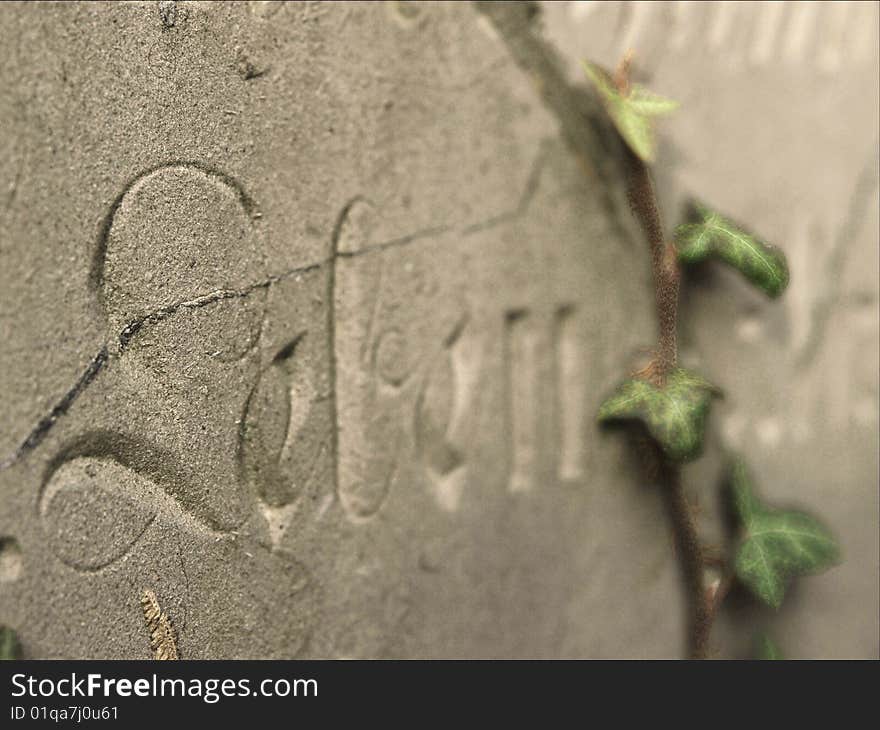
pixel 669 406
pixel 714 236
pixel 775 544
pixel 674 414
pixel 766 649
pixel 10 648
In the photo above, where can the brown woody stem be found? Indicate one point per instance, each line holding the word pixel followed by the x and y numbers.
pixel 667 278
pixel 667 275
pixel 700 610
pixel 701 607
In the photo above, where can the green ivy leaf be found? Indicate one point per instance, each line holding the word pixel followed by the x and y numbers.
pixel 777 544
pixel 9 645
pixel 746 504
pixel 648 103
pixel 631 113
pixel 762 264
pixel 674 415
pixel 766 649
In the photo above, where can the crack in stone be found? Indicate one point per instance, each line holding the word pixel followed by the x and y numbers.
pixel 583 123
pixel 823 308
pixel 133 328
pixel 525 200
pixel 13 188
pixel 39 432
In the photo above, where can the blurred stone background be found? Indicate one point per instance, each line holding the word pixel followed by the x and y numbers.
pixel 306 310
pixel 778 128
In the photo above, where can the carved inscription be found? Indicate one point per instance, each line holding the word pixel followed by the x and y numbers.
pixel 570 380
pixel 527 346
pixel 521 358
pixel 10 560
pixel 222 397
pixel 828 37
pixel 443 416
pixel 83 532
pixel 185 341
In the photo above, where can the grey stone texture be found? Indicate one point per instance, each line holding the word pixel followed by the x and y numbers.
pixel 306 311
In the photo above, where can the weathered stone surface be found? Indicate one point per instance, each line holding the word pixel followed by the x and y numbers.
pixel 306 312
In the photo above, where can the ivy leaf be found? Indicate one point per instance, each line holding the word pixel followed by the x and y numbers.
pixel 632 113
pixel 777 544
pixel 674 415
pixel 746 504
pixel 766 649
pixel 650 104
pixel 762 264
pixel 9 645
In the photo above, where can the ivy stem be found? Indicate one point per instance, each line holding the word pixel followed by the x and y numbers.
pixel 664 264
pixel 691 555
pixel 667 278
pixel 700 610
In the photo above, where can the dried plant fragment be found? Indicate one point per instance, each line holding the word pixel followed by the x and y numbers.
pixel 162 639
